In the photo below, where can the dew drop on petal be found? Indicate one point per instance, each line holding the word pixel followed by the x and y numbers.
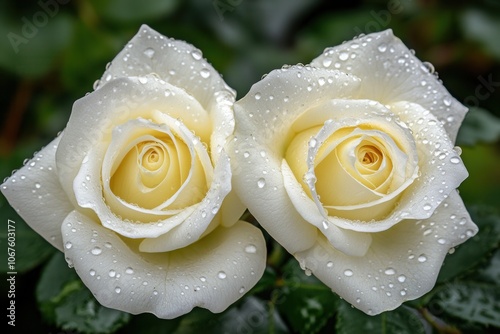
pixel 455 160
pixel 196 54
pixel 118 289
pixel 221 275
pixel 329 264
pixel 96 251
pixel 92 272
pixel 401 278
pixel 382 47
pixel 112 273
pixel 251 249
pixel 441 241
pixel 348 272
pixel 205 73
pixel 37 185
pixel 241 290
pixel 447 101
pixel 129 271
pixel 327 62
pixel 427 206
pixel 343 55
pixel 390 271
pixel 261 183
pixel 149 52
pixel 257 96
pixel 422 258
pixel 203 279
pixel 68 245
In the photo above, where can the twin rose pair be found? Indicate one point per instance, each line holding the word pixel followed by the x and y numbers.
pixel 348 162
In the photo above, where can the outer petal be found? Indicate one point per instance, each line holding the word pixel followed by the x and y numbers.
pixel 264 118
pixel 390 73
pixel 36 194
pixel 212 273
pixel 401 264
pixel 183 66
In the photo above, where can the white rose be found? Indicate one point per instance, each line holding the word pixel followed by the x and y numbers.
pixel 350 164
pixel 137 189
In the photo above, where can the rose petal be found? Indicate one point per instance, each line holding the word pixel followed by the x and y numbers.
pixel 264 118
pixel 182 65
pixel 95 116
pixel 204 218
pixel 212 273
pixel 346 241
pixel 401 264
pixel 36 194
pixel 389 73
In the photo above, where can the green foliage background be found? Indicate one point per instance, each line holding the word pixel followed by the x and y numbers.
pixel 58 61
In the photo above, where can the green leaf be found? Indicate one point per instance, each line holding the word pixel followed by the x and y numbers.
pixel 479 126
pixel 477 249
pixel 31 43
pixel 30 248
pixel 134 11
pixel 252 315
pixel 67 303
pixel 401 320
pixel 148 323
pixel 474 302
pixel 305 302
pixel 482 27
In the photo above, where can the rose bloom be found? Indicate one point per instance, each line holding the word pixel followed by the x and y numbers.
pixel 136 191
pixel 350 164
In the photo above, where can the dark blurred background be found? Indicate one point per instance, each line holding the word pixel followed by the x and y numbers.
pixel 52 51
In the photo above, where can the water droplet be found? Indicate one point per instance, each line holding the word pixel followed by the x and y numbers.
pixel 251 249
pixel 422 258
pixel 327 62
pixel 348 272
pixel 68 245
pixel 427 232
pixel 321 81
pixel 129 271
pixel 447 101
pixel 313 142
pixel 203 279
pixel 469 233
pixel 441 241
pixel 382 47
pixel 203 214
pixel 92 272
pixel 451 250
pixel 145 283
pixel 329 264
pixel 427 206
pixel 112 273
pixel 257 96
pixel 241 290
pixel 343 55
pixel 325 225
pixel 37 185
pixel 261 183
pixel 401 278
pixel 402 293
pixel 205 73
pixel 455 160
pixel 196 54
pixel 221 275
pixel 143 80
pixel 118 290
pixel 108 245
pixel 96 251
pixel 390 271
pixel 155 292
pixel 149 52
pixel 246 154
